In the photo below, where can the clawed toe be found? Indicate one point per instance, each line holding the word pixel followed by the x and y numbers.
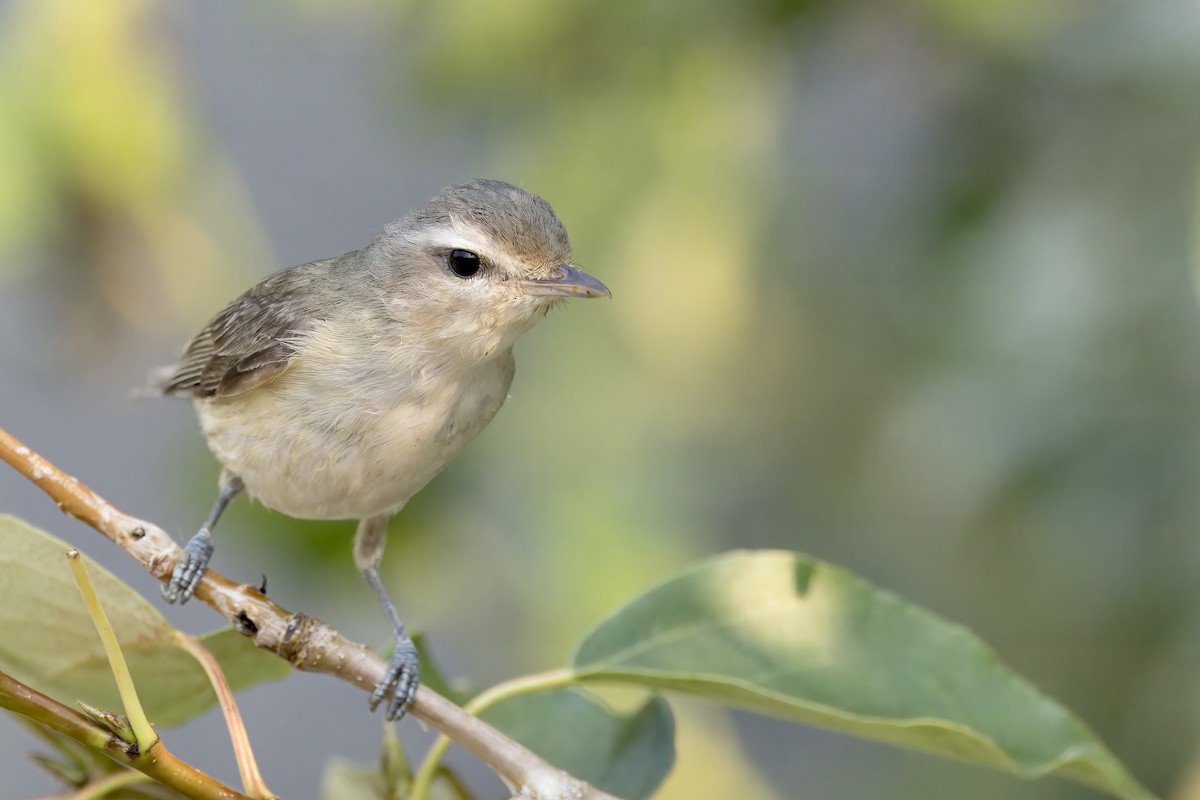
pixel 400 681
pixel 189 568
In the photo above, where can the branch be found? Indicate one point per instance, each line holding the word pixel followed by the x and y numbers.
pixel 156 762
pixel 305 642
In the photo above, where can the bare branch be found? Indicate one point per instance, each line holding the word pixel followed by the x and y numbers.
pixel 304 641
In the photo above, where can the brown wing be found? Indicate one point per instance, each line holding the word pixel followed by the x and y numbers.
pixel 251 341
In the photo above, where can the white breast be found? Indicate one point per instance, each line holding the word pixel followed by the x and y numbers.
pixel 346 441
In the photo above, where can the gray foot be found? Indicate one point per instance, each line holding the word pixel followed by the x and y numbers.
pixel 190 567
pixel 401 679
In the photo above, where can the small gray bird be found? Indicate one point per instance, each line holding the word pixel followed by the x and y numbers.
pixel 337 389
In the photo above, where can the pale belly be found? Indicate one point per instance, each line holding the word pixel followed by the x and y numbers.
pixel 299 453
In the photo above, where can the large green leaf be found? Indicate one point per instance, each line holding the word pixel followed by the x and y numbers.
pixel 48 641
pixel 784 634
pixel 627 754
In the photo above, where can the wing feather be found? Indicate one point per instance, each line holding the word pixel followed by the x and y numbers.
pixel 251 340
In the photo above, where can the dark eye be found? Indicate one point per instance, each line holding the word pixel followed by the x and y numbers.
pixel 464 263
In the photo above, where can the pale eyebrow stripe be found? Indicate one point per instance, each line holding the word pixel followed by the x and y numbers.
pixel 461 236
pixel 464 237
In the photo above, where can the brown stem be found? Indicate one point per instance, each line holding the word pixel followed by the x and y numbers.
pixel 252 780
pixel 304 641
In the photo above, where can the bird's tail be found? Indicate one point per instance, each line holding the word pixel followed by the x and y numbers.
pixel 156 384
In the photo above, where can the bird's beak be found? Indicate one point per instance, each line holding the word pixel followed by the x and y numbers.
pixel 571 281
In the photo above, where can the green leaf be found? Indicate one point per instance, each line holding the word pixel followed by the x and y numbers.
pixel 69 762
pixel 47 639
pixel 627 754
pixel 787 635
pixel 345 780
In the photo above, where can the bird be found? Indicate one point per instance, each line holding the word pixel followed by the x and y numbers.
pixel 337 389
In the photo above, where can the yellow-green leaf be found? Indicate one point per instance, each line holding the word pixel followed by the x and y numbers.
pixel 47 639
pixel 785 634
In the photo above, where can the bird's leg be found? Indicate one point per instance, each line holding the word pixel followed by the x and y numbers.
pixel 193 561
pixel 403 672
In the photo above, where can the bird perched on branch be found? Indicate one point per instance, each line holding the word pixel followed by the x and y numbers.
pixel 337 389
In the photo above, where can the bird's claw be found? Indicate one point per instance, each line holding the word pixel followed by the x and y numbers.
pixel 400 680
pixel 189 568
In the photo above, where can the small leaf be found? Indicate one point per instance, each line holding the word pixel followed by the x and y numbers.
pixel 626 754
pixel 72 762
pixel 345 780
pixel 117 724
pixel 65 771
pixel 47 639
pixel 447 786
pixel 784 634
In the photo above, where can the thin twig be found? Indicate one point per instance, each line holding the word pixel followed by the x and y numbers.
pixel 305 642
pixel 252 780
pixel 142 730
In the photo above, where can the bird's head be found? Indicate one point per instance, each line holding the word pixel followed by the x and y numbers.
pixel 477 266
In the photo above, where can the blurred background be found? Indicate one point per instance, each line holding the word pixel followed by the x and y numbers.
pixel 905 284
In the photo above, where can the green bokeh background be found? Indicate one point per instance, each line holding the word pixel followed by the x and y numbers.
pixel 906 284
